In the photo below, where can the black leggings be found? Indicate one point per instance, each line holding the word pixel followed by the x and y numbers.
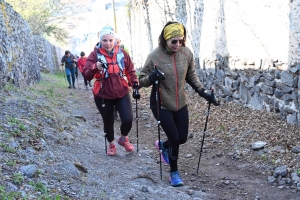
pixel 85 80
pixel 123 106
pixel 175 125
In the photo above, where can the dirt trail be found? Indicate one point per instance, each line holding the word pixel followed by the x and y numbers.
pixel 125 176
pixel 78 139
pixel 136 175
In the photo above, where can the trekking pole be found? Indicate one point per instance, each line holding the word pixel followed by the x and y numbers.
pixel 64 72
pixel 158 124
pixel 103 104
pixel 207 114
pixel 162 76
pixel 103 110
pixel 137 125
pixel 77 80
pixel 136 95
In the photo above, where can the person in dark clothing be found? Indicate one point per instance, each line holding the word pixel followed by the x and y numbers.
pixel 76 64
pixel 176 61
pixel 108 64
pixel 69 61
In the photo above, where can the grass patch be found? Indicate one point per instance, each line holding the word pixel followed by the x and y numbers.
pixel 52 80
pixel 10 87
pixel 6 148
pixel 11 163
pixel 221 128
pixel 10 195
pixel 18 178
pixel 53 87
pixel 50 85
pixel 40 187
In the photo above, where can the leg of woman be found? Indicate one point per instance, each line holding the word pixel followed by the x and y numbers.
pixel 124 108
pixel 162 145
pixel 85 81
pixel 68 73
pixel 107 117
pixel 175 125
pixel 181 119
pixel 170 128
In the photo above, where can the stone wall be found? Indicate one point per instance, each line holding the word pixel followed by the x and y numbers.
pixel 46 55
pixel 249 51
pixel 22 55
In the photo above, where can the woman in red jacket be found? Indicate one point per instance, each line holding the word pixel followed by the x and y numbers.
pixel 113 70
pixel 81 61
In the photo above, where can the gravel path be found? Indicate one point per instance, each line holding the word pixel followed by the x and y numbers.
pixel 52 146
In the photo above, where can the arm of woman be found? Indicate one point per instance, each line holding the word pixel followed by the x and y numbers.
pixel 191 76
pixel 146 71
pixel 129 69
pixel 90 67
pixel 62 62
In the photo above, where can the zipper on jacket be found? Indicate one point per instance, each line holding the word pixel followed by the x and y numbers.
pixel 176 78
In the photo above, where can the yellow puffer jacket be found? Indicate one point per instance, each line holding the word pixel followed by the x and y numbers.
pixel 179 68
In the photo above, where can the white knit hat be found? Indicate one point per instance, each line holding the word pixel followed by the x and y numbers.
pixel 107 30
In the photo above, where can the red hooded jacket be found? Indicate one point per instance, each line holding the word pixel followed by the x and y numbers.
pixel 114 86
pixel 81 62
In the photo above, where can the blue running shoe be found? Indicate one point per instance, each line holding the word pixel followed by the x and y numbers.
pixel 175 179
pixel 164 152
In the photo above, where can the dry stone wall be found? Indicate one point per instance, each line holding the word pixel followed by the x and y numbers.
pixel 48 60
pixel 249 51
pixel 22 55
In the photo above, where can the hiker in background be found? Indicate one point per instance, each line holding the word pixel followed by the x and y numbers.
pixel 176 61
pixel 108 64
pixel 81 62
pixel 118 42
pixel 76 69
pixel 69 61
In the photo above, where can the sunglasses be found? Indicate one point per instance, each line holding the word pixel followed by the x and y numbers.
pixel 175 41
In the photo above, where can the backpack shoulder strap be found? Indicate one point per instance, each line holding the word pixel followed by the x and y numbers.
pixel 103 60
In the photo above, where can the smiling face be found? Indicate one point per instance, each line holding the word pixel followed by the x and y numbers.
pixel 107 42
pixel 174 43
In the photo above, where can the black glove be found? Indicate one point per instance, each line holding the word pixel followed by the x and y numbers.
pixel 136 94
pixel 209 97
pixel 155 75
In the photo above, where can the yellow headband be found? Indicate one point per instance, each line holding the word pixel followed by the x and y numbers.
pixel 173 30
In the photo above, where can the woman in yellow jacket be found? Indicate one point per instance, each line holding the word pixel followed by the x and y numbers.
pixel 176 61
